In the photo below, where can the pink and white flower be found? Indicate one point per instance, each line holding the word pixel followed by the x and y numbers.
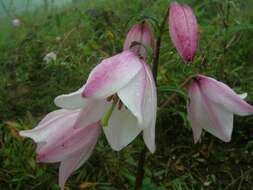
pixel 126 81
pixel 121 90
pixel 212 107
pixel 63 136
pixel 183 28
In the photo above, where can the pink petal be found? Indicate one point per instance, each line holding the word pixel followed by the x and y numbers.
pixel 56 122
pixel 53 115
pixel 183 30
pixel 112 74
pixel 223 95
pixel 133 94
pixel 204 114
pixel 194 108
pixel 142 33
pixel 70 142
pixel 71 164
pixel 150 109
pixel 122 129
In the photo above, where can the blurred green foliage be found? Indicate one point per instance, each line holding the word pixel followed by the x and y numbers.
pixel 83 35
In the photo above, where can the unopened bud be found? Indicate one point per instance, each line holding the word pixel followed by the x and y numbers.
pixel 183 28
pixel 143 34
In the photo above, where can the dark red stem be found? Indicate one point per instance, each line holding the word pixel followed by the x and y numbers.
pixel 158 46
pixel 140 170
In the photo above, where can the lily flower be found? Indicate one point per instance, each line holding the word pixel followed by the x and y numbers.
pixel 120 95
pixel 60 139
pixel 212 107
pixel 183 29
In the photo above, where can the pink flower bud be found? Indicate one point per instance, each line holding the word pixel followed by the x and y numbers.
pixel 183 28
pixel 142 33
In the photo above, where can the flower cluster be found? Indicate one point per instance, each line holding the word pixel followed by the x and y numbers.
pixel 119 99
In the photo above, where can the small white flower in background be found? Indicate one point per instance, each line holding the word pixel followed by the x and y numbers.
pixel 16 22
pixel 50 57
pixel 58 38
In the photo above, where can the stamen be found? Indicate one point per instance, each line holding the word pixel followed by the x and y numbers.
pixel 120 104
pixel 108 99
pixel 115 98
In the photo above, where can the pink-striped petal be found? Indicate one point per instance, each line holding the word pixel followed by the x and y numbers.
pixel 223 95
pixel 122 129
pixel 71 164
pixel 67 167
pixel 70 142
pixel 56 122
pixel 111 75
pixel 204 114
pixel 183 30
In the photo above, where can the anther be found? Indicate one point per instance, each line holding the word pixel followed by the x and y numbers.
pixel 120 104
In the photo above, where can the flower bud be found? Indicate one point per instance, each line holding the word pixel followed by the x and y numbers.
pixel 141 33
pixel 183 28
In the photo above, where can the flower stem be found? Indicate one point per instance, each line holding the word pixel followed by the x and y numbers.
pixel 158 46
pixel 108 114
pixel 140 170
pixel 173 96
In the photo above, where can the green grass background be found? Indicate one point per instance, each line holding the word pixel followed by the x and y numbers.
pixel 82 36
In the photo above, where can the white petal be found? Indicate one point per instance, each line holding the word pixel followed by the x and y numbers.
pixel 243 95
pixel 93 112
pixel 122 129
pixel 133 94
pixel 150 109
pixel 73 100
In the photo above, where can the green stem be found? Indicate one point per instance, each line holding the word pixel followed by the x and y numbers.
pixel 108 114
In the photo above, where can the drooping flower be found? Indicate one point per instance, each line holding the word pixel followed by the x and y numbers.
pixel 142 33
pixel 212 107
pixel 64 136
pixel 120 92
pixel 50 57
pixel 183 29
